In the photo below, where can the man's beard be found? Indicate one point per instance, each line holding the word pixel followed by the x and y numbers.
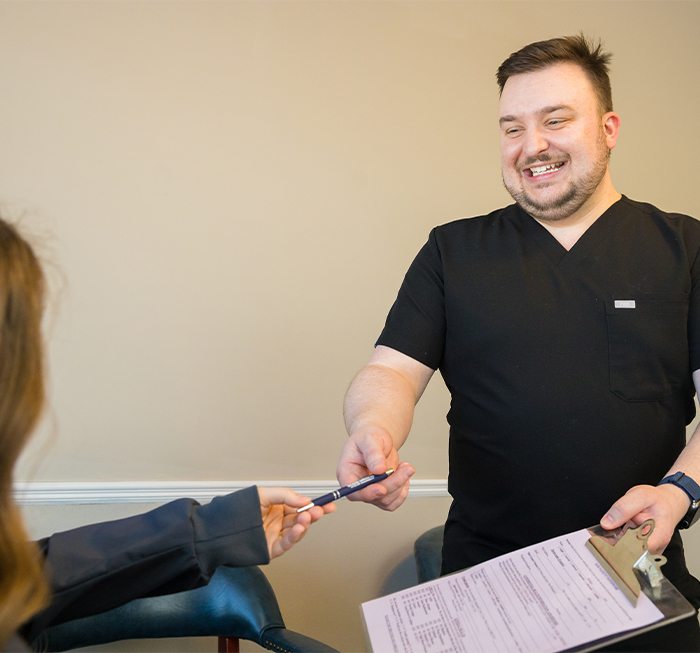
pixel 571 199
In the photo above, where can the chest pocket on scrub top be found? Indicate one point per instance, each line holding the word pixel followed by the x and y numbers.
pixel 647 346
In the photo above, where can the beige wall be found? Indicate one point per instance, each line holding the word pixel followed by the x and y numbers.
pixel 229 194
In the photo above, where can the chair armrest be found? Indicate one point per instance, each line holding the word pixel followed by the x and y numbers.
pixel 237 602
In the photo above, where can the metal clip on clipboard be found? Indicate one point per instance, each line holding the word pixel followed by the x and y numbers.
pixel 623 553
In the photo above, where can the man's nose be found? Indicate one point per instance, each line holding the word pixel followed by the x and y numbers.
pixel 535 142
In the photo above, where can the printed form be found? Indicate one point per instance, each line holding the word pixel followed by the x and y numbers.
pixel 547 597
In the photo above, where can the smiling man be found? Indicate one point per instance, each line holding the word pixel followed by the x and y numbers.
pixel 556 139
pixel 567 329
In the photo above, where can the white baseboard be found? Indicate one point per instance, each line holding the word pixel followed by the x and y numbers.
pixel 42 493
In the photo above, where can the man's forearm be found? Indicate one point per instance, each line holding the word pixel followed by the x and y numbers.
pixel 688 461
pixel 382 398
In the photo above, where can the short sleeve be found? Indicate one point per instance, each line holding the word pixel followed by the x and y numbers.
pixel 415 325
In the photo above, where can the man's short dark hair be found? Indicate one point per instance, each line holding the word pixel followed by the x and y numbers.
pixel 567 49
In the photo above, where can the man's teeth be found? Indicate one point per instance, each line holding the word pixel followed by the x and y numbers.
pixel 540 170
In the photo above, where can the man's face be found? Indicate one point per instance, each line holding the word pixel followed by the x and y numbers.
pixel 555 140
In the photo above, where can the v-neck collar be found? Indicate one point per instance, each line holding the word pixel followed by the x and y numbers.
pixel 555 251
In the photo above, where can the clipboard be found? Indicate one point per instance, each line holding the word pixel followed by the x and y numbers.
pixel 468 609
pixel 623 553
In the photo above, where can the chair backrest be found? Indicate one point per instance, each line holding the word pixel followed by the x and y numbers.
pixel 427 550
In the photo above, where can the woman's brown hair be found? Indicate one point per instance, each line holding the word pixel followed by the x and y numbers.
pixel 22 587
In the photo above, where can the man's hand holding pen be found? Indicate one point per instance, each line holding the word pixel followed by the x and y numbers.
pixel 372 451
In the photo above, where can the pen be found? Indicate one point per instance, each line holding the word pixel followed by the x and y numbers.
pixel 347 489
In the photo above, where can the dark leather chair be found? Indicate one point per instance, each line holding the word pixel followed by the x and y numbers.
pixel 427 550
pixel 238 603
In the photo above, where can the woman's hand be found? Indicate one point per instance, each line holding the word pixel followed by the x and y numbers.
pixel 283 525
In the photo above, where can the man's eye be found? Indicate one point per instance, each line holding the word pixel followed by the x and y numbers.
pixel 555 122
pixel 513 131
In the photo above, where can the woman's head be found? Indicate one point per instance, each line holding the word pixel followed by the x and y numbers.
pixel 22 589
pixel 21 349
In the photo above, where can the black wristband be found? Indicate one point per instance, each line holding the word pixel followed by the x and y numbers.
pixel 692 489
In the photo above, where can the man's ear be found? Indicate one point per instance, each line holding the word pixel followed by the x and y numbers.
pixel 611 128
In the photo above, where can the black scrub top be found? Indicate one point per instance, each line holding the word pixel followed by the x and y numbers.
pixel 570 372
